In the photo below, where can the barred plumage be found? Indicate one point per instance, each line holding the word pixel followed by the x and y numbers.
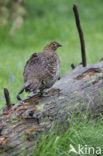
pixel 41 70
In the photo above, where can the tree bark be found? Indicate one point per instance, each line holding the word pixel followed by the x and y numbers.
pixel 79 90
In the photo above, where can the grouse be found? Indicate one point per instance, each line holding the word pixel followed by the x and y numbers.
pixel 41 70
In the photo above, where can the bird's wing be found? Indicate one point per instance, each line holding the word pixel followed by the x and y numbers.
pixel 30 66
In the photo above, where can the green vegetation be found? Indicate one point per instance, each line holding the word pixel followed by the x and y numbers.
pixel 46 21
pixel 81 131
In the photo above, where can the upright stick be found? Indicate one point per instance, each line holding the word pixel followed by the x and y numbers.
pixel 80 35
pixel 7 97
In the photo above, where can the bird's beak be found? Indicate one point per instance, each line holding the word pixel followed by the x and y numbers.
pixel 59 45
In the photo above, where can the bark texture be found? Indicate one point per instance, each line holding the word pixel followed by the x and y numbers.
pixel 79 90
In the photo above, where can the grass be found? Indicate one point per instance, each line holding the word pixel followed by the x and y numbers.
pixel 47 21
pixel 81 131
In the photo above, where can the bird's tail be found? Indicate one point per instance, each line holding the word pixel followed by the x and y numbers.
pixel 25 86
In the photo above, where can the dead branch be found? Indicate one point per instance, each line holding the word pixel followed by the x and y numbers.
pixel 7 97
pixel 80 35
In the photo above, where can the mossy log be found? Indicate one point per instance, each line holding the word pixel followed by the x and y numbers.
pixel 79 90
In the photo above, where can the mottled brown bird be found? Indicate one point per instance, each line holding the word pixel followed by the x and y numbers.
pixel 41 70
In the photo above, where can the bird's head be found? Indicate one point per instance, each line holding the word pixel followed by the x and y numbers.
pixel 52 46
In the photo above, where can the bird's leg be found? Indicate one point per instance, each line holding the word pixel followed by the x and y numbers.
pixel 21 90
pixel 44 93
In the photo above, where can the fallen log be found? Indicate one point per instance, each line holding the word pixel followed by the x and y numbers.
pixel 79 90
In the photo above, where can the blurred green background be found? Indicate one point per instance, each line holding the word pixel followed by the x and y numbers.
pixel 27 26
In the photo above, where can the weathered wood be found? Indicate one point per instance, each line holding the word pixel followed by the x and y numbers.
pixel 7 97
pixel 79 90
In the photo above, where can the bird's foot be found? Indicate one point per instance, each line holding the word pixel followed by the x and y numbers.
pixel 19 97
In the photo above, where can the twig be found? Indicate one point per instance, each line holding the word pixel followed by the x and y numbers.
pixel 80 35
pixel 7 97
